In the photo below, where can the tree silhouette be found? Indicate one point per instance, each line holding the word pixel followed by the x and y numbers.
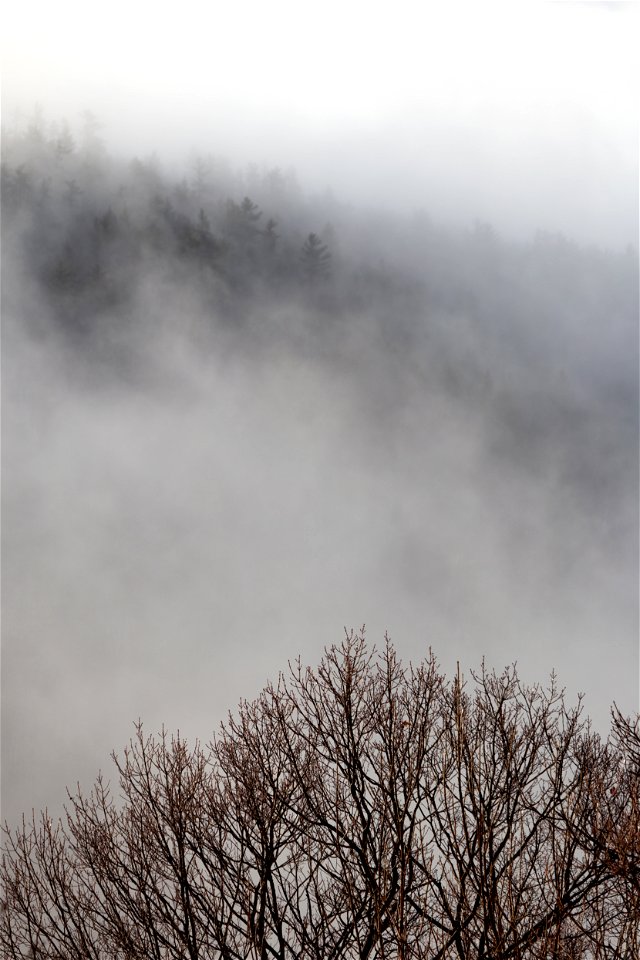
pixel 242 221
pixel 270 236
pixel 363 809
pixel 315 258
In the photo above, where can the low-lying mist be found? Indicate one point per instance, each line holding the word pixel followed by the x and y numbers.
pixel 217 455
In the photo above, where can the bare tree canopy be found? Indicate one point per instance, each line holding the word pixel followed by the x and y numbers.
pixel 364 809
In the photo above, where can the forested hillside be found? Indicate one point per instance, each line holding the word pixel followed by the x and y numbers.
pixel 108 252
pixel 91 229
pixel 238 416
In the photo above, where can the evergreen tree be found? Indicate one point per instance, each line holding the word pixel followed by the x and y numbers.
pixel 315 258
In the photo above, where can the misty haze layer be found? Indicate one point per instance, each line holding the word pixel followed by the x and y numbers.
pixel 225 440
pixel 523 114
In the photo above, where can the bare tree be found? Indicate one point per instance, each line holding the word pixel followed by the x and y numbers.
pixel 364 809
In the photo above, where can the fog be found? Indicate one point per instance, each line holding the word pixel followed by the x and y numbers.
pixel 522 114
pixel 214 462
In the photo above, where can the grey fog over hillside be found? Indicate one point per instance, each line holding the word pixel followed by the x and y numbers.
pixel 311 319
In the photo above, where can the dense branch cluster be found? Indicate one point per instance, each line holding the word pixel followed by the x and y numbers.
pixel 362 809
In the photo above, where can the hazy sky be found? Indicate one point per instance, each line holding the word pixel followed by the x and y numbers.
pixel 524 114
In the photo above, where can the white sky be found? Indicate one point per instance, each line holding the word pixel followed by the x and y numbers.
pixel 440 105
